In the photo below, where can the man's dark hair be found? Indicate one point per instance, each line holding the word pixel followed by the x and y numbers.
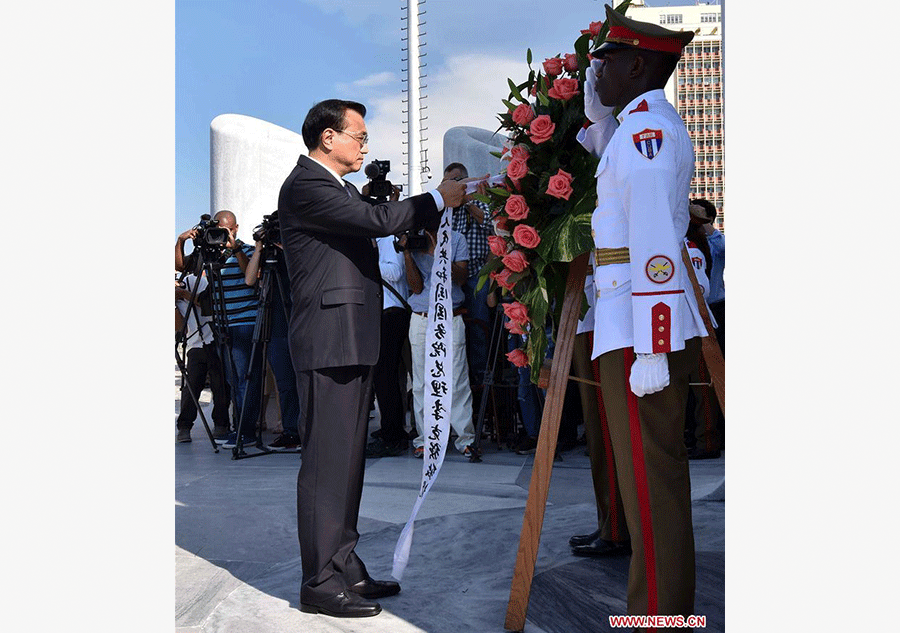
pixel 708 206
pixel 458 166
pixel 327 114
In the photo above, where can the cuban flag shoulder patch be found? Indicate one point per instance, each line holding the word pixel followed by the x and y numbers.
pixel 648 142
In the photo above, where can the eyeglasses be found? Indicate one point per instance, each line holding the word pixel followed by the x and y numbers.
pixel 362 141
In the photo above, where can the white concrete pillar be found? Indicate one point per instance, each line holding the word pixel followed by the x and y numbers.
pixel 249 160
pixel 472 147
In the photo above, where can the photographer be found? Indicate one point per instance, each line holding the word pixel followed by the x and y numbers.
pixel 239 305
pixel 267 237
pixel 418 276
pixel 202 361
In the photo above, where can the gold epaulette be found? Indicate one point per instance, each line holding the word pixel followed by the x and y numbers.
pixel 607 256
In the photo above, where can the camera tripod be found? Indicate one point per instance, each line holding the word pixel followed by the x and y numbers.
pixel 206 267
pixel 262 334
pixel 489 384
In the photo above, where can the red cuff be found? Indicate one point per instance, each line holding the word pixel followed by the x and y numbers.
pixel 661 317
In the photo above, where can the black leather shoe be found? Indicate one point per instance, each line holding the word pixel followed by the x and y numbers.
pixel 584 539
pixel 343 605
pixel 373 589
pixel 380 448
pixel 600 548
pixel 699 453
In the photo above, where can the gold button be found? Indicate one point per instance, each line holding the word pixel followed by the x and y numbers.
pixel 614 284
pixel 662 329
pixel 661 342
pixel 662 318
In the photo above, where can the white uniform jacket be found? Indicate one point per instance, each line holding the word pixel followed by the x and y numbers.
pixel 644 297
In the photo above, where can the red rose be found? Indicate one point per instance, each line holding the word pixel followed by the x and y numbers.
pixel 517 312
pixel 523 114
pixel 514 328
pixel 560 185
pixel 541 129
pixel 553 66
pixel 594 29
pixel 565 176
pixel 516 208
pixel 515 261
pixel 526 237
pixel 570 63
pixel 498 245
pixel 564 89
pixel 518 358
pixel 502 279
pixel 517 169
pixel 520 151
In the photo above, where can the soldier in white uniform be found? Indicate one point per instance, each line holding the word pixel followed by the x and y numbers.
pixel 647 327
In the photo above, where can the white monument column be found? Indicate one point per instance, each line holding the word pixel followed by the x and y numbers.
pixel 248 161
pixel 472 146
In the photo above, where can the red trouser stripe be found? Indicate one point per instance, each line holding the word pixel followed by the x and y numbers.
pixel 643 490
pixel 608 451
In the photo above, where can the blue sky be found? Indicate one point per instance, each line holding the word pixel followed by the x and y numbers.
pixel 272 59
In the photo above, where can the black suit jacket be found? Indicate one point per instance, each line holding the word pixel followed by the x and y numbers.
pixel 327 232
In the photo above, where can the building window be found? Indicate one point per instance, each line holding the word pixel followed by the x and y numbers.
pixel 709 17
pixel 670 18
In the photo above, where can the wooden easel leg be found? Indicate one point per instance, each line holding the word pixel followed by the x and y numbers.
pixel 539 487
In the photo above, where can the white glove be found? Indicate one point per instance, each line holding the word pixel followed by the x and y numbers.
pixel 593 109
pixel 649 374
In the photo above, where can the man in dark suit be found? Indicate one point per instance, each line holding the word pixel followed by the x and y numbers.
pixel 328 233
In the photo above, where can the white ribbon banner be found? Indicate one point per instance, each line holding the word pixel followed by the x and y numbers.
pixel 438 390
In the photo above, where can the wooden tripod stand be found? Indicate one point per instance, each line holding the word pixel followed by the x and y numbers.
pixel 539 487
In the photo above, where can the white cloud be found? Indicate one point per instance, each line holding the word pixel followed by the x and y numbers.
pixel 465 90
pixel 377 80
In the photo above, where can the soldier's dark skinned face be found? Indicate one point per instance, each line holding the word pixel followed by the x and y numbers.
pixel 616 78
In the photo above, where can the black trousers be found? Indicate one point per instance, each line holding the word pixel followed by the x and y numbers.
pixel 394 333
pixel 718 311
pixel 203 361
pixel 333 424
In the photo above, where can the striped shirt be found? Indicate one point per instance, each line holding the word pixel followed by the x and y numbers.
pixel 240 299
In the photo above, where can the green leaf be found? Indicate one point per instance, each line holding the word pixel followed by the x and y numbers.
pixel 528 57
pixel 514 91
pixel 572 116
pixel 582 44
pixel 481 198
pixel 496 154
pixel 538 306
pixel 492 264
pixel 567 237
pixel 503 193
pixel 509 104
pixel 543 99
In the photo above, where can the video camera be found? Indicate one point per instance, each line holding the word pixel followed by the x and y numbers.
pixel 415 241
pixel 269 230
pixel 211 239
pixel 379 186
